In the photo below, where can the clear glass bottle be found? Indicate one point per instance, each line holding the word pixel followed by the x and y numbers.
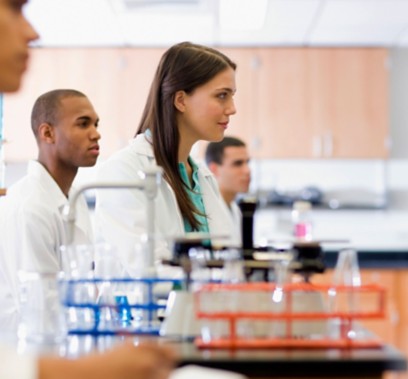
pixel 302 220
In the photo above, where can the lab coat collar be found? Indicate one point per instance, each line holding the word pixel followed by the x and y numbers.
pixel 144 147
pixel 204 170
pixel 36 169
pixel 56 197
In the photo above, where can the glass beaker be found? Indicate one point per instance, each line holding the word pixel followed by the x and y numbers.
pixel 80 291
pixel 41 316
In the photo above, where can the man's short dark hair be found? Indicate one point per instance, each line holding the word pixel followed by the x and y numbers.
pixel 46 107
pixel 215 150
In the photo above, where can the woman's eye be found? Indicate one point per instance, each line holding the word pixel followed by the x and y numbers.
pixel 222 95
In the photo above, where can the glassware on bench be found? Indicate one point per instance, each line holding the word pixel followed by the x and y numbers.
pixel 41 313
pixel 280 275
pixel 113 310
pixel 347 270
pixel 79 292
pixel 234 301
pixel 346 273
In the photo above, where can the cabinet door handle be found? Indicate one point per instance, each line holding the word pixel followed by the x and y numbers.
pixel 328 144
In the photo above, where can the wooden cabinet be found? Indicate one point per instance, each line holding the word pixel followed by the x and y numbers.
pixel 245 120
pixel 284 129
pixel 116 81
pixel 348 92
pixel 323 103
pixel 291 102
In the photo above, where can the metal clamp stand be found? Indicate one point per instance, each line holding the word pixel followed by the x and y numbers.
pixel 149 184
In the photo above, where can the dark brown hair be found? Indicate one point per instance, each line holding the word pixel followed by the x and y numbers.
pixel 183 67
pixel 215 150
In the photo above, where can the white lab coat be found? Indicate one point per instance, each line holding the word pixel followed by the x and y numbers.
pixel 236 219
pixel 120 215
pixel 31 233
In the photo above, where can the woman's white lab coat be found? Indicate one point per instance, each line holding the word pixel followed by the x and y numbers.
pixel 120 215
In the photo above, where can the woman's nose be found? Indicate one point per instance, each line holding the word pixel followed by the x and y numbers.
pixel 231 108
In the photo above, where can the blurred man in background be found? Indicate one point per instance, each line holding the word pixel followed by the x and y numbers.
pixel 228 160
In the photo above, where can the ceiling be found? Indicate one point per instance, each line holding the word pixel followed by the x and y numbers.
pixel 97 23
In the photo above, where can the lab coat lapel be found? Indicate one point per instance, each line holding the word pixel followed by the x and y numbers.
pixel 219 221
pixel 83 231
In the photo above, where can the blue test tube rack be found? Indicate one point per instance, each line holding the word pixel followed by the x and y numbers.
pixel 120 305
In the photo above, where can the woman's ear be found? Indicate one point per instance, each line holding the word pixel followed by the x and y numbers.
pixel 180 100
pixel 46 133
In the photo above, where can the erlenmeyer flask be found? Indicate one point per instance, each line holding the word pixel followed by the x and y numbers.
pixel 346 273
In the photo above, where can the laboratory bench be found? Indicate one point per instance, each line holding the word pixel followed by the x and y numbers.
pixel 372 258
pixel 255 363
pixel 298 363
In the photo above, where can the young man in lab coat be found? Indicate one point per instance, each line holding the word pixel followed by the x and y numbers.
pixel 228 160
pixel 32 229
pixel 125 361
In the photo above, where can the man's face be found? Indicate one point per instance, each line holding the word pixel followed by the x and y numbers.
pixel 15 35
pixel 75 132
pixel 234 174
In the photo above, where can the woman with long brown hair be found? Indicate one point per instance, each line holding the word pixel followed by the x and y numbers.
pixel 190 99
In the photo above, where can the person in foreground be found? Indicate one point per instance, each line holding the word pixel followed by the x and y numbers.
pixel 190 99
pixel 124 361
pixel 228 160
